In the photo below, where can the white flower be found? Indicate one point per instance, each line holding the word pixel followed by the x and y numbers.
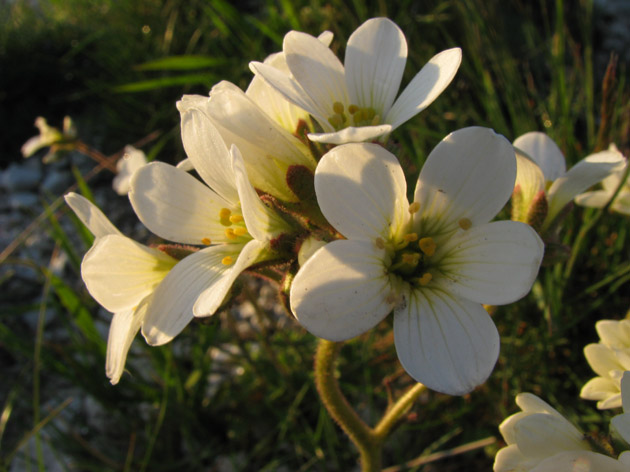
pixel 50 137
pixel 609 358
pixel 121 275
pixel 131 161
pixel 433 262
pixel 542 170
pixel 599 198
pixel 356 101
pixel 267 148
pixel 227 215
pixel 539 439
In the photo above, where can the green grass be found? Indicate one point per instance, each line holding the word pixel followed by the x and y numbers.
pixel 516 77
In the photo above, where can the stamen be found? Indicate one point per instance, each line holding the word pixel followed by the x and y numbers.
pixel 414 208
pixel 427 245
pixel 229 233
pixel 425 279
pixel 227 260
pixel 224 216
pixel 411 259
pixel 465 224
pixel 376 120
pixel 240 231
pixel 352 109
pixel 236 218
pixel 410 237
pixel 338 108
pixel 380 243
pixel 206 241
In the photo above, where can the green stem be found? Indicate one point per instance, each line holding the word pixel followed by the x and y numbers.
pixel 368 441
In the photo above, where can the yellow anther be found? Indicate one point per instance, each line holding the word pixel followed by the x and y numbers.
pixel 414 207
pixel 425 279
pixel 376 120
pixel 336 121
pixel 206 241
pixel 411 258
pixel 465 223
pixel 229 233
pixel 240 231
pixel 380 243
pixel 352 109
pixel 338 108
pixel 227 260
pixel 224 216
pixel 236 218
pixel 410 237
pixel 427 245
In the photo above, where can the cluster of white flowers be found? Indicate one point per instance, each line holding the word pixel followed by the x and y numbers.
pixel 339 225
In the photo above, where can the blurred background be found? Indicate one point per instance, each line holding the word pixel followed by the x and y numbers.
pixel 235 392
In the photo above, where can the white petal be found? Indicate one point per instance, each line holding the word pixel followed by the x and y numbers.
pixel 625 392
pixel 292 91
pixel 614 333
pixel 132 160
pixel 470 174
pixel 119 272
pixel 622 424
pixel 361 190
pixel 581 176
pixel 205 147
pixel 375 61
pixel 261 222
pixel 494 264
pixel 580 461
pixel 602 359
pixel 351 134
pixel 529 178
pixel 530 403
pixel 171 307
pixel 509 459
pixel 594 199
pixel 543 435
pixel 318 71
pixel 448 344
pixel 90 215
pixel 600 388
pixel 342 290
pixel 214 294
pixel 185 165
pixel 544 152
pixel 426 86
pixel 122 330
pixel 176 206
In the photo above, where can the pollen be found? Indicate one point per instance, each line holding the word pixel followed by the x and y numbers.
pixel 411 237
pixel 352 109
pixel 338 108
pixel 236 218
pixel 229 233
pixel 427 246
pixel 380 243
pixel 414 208
pixel 425 279
pixel 411 259
pixel 227 260
pixel 465 224
pixel 206 241
pixel 224 216
pixel 240 231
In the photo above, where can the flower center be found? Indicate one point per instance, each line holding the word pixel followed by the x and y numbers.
pixel 410 259
pixel 234 226
pixel 354 116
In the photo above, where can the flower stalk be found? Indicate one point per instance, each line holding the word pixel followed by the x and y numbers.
pixel 369 441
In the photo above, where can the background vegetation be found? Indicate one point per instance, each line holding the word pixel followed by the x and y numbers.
pixel 236 390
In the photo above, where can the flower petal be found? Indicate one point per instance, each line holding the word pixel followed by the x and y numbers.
pixel 119 272
pixel 622 424
pixel 171 307
pixel 614 333
pixel 600 388
pixel 426 86
pixel 509 459
pixel 495 263
pixel 90 215
pixel 214 294
pixel 261 222
pixel 582 461
pixel 376 54
pixel 448 344
pixel 544 152
pixel 351 134
pixel 341 291
pixel 361 190
pixel 205 147
pixel 581 176
pixel 122 330
pixel 176 206
pixel 470 174
pixel 602 359
pixel 594 199
pixel 529 177
pixel 318 71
